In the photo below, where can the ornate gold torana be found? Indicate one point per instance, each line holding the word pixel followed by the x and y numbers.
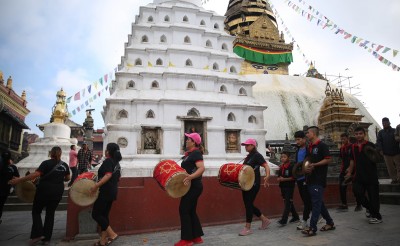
pixel 337 117
pixel 60 112
pixel 257 37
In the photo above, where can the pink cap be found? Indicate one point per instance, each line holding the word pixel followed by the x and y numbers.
pixel 249 141
pixel 195 136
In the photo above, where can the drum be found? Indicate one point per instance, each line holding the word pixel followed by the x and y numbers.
pixel 170 176
pixel 237 176
pixel 26 191
pixel 80 189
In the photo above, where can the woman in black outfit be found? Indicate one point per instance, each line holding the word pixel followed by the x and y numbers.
pixel 255 160
pixel 109 174
pixel 191 230
pixel 53 173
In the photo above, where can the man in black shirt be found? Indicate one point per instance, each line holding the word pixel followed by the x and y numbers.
pixel 366 176
pixel 319 156
pixel 388 146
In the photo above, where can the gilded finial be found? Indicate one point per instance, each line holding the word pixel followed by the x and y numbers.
pixel 1 78
pixel 60 113
pixel 9 83
pixel 23 96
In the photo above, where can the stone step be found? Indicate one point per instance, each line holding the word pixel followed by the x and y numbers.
pixel 389 188
pixel 390 198
pixel 62 206
pixel 13 203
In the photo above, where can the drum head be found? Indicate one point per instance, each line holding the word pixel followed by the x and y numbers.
pixel 246 178
pixel 175 187
pixel 26 191
pixel 80 192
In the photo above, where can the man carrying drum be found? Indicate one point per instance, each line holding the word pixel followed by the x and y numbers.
pixel 255 160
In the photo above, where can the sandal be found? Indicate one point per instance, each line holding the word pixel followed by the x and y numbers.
pixel 110 240
pixel 328 227
pixel 98 243
pixel 309 232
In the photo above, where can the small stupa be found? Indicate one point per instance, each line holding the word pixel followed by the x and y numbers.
pixel 56 133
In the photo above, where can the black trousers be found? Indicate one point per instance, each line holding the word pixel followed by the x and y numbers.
pixel 287 195
pixel 3 199
pixel 306 198
pixel 371 203
pixel 190 223
pixel 101 211
pixel 38 229
pixel 248 199
pixel 74 171
pixel 342 189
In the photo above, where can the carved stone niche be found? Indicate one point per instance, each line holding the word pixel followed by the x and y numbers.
pixel 150 140
pixel 232 141
pixel 122 142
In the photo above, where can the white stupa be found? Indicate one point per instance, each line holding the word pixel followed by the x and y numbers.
pixel 56 133
pixel 179 75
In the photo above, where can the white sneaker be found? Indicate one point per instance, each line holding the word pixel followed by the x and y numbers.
pixel 375 221
pixel 302 225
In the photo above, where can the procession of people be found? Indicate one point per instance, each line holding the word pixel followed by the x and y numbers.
pixel 308 170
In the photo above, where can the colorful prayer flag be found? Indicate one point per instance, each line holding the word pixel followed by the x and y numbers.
pixel 89 89
pixel 69 99
pixel 106 77
pixel 77 96
pixel 101 81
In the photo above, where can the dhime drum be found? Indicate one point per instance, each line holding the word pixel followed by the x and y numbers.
pixel 80 189
pixel 26 191
pixel 237 176
pixel 170 176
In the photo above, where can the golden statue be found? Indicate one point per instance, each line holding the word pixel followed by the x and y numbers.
pixel 60 113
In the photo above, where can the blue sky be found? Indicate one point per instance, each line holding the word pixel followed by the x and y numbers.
pixel 49 44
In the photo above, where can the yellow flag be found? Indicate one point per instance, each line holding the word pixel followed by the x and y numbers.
pixel 95 85
pixel 171 64
pixel 129 65
pixel 149 64
pixel 225 70
pixel 207 67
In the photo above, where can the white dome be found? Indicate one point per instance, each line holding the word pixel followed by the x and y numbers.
pixel 294 102
pixel 195 2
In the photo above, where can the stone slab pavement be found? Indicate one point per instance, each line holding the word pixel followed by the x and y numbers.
pixel 352 228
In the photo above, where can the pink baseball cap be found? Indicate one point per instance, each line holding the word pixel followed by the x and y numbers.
pixel 249 141
pixel 195 136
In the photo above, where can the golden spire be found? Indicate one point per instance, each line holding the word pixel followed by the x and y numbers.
pixel 1 78
pixel 23 96
pixel 9 83
pixel 59 110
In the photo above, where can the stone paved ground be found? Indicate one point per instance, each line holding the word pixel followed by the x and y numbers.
pixel 352 229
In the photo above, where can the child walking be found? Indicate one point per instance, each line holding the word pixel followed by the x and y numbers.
pixel 287 183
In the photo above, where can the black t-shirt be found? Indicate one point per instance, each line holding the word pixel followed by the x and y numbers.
pixel 318 152
pixel 345 152
pixel 109 190
pixel 255 160
pixel 6 174
pixel 365 169
pixel 189 164
pixel 51 186
pixel 285 171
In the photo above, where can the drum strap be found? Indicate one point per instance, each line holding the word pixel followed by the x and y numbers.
pixel 51 171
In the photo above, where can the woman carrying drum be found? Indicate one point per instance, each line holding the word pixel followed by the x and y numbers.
pixel 191 230
pixel 109 174
pixel 255 160
pixel 53 173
